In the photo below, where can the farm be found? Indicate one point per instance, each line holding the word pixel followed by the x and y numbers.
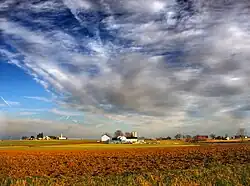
pixel 226 164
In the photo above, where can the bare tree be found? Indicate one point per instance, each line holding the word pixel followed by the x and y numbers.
pixel 128 134
pixel 241 132
pixel 118 133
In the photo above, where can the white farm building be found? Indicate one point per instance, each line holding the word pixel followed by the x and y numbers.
pixel 122 139
pixel 61 137
pixel 105 138
pixel 132 139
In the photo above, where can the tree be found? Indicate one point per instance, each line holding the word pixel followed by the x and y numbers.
pixel 212 136
pixel 128 134
pixel 242 133
pixel 219 138
pixel 178 136
pixel 188 136
pixel 24 137
pixel 32 137
pixel 168 138
pixel 40 135
pixel 118 133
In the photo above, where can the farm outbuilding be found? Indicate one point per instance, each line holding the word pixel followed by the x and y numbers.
pixel 61 137
pixel 122 138
pixel 132 139
pixel 105 138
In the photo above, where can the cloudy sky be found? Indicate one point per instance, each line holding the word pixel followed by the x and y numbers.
pixel 155 66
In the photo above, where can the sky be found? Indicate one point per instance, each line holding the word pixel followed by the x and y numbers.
pixel 155 66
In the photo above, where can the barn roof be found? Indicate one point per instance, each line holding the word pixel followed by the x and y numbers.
pixel 132 138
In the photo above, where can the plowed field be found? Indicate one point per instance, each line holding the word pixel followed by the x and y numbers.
pixel 56 164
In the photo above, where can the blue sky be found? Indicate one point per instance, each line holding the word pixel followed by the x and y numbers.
pixel 16 84
pixel 26 98
pixel 154 66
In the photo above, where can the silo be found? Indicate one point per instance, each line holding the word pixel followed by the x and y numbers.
pixel 134 134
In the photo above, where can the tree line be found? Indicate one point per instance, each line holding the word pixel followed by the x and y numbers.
pixel 38 136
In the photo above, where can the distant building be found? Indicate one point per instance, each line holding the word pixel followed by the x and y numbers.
pixel 115 140
pixel 105 138
pixel 62 137
pixel 132 139
pixel 134 134
pixel 46 138
pixel 238 137
pixel 122 138
pixel 201 138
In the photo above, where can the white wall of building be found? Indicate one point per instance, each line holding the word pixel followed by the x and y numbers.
pixel 62 137
pixel 105 138
pixel 131 140
pixel 122 138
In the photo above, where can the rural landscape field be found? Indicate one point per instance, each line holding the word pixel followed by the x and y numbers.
pixel 88 163
pixel 161 87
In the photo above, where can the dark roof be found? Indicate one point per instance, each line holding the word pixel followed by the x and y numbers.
pixel 126 138
pixel 132 138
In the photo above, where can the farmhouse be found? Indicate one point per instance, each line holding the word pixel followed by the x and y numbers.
pixel 105 138
pixel 127 138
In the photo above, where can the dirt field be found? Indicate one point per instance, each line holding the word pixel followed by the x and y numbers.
pixel 73 166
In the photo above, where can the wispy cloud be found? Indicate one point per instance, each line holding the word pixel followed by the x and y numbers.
pixel 38 98
pixel 99 125
pixel 6 103
pixel 33 110
pixel 65 113
pixel 14 103
pixel 27 113
pixel 9 103
pixel 169 69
